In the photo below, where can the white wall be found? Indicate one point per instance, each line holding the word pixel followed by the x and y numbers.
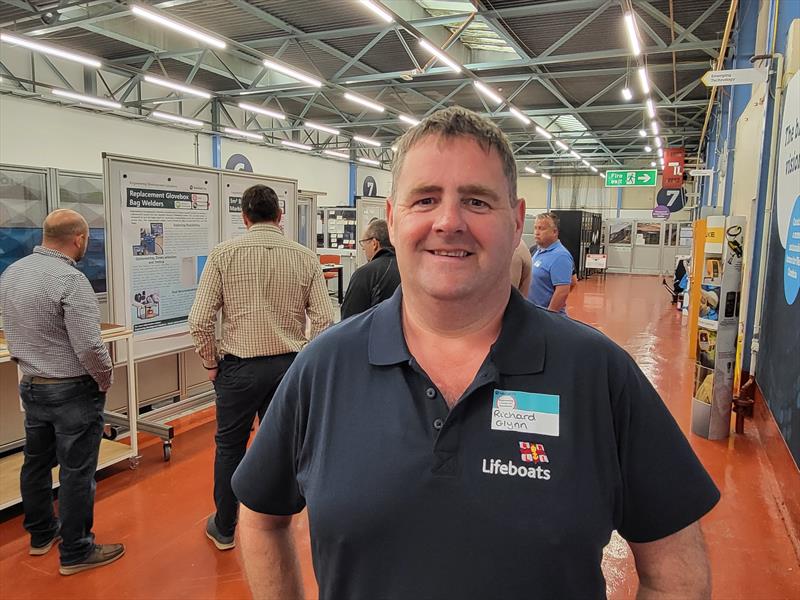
pixel 534 190
pixel 382 178
pixel 47 135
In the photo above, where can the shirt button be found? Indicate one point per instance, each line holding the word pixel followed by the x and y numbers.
pixel 430 392
pixel 438 424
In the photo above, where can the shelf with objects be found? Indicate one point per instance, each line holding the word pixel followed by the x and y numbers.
pixel 715 292
pixel 111 451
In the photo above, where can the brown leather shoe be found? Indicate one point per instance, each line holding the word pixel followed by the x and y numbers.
pixel 102 554
pixel 44 548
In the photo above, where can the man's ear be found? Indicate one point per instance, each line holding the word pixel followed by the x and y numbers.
pixel 390 219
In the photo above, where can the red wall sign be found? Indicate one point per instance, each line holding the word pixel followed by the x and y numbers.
pixel 672 177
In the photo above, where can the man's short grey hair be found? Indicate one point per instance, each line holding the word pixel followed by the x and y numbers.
pixel 553 217
pixel 454 122
pixel 379 230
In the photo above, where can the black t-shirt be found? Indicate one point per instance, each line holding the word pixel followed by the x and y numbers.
pixel 372 283
pixel 513 494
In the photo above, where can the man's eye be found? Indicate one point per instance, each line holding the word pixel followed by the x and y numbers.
pixel 424 202
pixel 477 203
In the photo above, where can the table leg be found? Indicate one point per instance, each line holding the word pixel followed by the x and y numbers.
pixel 341 286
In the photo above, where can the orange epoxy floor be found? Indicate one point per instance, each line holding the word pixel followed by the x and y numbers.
pixel 159 510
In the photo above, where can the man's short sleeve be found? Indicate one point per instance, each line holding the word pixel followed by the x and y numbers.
pixel 665 488
pixel 266 479
pixel 561 270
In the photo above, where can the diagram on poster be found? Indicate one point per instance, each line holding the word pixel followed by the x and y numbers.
pixel 167 230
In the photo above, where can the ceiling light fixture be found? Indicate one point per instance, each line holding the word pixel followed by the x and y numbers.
pixel 87 99
pixel 488 92
pixel 654 128
pixel 177 86
pixel 648 148
pixel 179 27
pixel 369 141
pixel 296 146
pixel 364 102
pixel 336 154
pixel 406 119
pixel 593 169
pixel 544 133
pixel 603 175
pixel 545 175
pixel 530 170
pixel 176 119
pixel 642 133
pixel 51 50
pixel 651 110
pixel 627 94
pixel 378 10
pixel 562 145
pixel 652 163
pixel 586 162
pixel 288 71
pixel 643 80
pixel 262 111
pixel 369 161
pixel 440 55
pixel 247 134
pixel 320 127
pixel 575 154
pixel 630 25
pixel 517 113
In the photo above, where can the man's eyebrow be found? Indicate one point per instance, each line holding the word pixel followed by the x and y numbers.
pixel 478 190
pixel 426 189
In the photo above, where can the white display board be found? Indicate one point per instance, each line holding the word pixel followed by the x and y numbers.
pixel 368 209
pixel 162 222
pixel 233 186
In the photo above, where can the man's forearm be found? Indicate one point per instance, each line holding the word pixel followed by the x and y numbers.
pixel 559 299
pixel 270 558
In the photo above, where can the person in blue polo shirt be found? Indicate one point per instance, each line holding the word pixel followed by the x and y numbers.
pixel 456 441
pixel 551 275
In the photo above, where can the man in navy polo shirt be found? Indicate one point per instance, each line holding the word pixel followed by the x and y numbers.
pixel 456 441
pixel 551 275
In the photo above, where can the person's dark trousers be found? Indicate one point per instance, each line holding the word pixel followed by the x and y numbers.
pixel 63 425
pixel 244 389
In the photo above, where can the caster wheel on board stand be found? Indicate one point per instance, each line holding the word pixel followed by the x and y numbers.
pixel 167 451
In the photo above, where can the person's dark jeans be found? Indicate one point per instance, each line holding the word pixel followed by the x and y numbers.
pixel 244 389
pixel 63 425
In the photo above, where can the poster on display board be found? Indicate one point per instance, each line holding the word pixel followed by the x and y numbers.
pixel 233 187
pixel 167 234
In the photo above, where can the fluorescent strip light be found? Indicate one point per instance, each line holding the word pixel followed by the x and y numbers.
pixel 544 133
pixel 603 175
pixel 247 134
pixel 336 154
pixel 654 128
pixel 87 99
pixel 586 162
pixel 642 133
pixel 324 128
pixel 517 113
pixel 440 55
pixel 651 110
pixel 262 111
pixel 378 10
pixel 369 141
pixel 660 153
pixel 648 148
pixel 488 92
pixel 179 27
pixel 643 80
pixel 593 169
pixel 406 119
pixel 52 50
pixel 575 154
pixel 296 146
pixel 364 102
pixel 653 163
pixel 369 161
pixel 631 27
pixel 175 118
pixel 177 86
pixel 627 94
pixel 545 175
pixel 530 170
pixel 562 145
pixel 292 73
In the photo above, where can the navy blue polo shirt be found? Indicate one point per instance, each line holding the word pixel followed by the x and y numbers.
pixel 513 493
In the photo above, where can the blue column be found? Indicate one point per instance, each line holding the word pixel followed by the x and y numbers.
pixel 549 193
pixel 216 151
pixel 619 201
pixel 351 197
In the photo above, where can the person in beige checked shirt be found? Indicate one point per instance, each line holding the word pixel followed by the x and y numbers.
pixel 266 286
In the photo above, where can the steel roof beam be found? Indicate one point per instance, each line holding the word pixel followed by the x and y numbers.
pixel 665 20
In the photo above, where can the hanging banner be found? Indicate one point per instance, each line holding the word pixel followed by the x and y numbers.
pixel 672 175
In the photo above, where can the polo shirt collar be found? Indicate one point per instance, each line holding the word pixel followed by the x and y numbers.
pixel 519 350
pixel 265 226
pixel 54 253
pixel 553 246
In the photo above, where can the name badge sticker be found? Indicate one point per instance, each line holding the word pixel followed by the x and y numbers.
pixel 525 412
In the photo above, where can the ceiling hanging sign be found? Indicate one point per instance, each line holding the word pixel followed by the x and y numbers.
pixel 672 175
pixel 701 172
pixel 734 77
pixel 632 178
pixel 370 187
pixel 671 200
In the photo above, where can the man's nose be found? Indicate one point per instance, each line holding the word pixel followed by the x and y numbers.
pixel 450 216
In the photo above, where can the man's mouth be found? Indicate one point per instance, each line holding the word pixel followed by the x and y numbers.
pixel 451 253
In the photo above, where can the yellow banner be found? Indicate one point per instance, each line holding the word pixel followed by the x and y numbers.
pixel 715 235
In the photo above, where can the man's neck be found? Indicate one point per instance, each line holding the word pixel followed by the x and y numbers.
pixel 554 242
pixel 61 249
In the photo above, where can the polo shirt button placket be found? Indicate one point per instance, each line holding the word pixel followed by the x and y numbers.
pixel 430 393
pixel 438 424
